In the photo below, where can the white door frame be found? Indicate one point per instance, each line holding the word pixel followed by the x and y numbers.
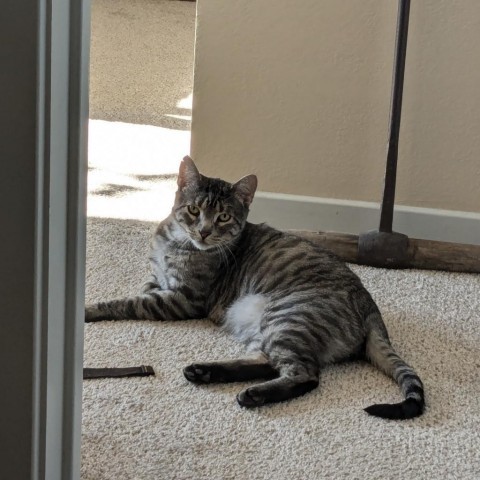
pixel 44 55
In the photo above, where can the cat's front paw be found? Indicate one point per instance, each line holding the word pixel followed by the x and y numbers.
pixel 93 313
pixel 197 373
pixel 250 397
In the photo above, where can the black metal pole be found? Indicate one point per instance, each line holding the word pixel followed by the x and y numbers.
pixel 386 214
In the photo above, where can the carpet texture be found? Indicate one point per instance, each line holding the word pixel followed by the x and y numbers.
pixel 164 427
pixel 142 61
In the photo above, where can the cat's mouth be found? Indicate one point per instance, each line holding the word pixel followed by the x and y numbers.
pixel 203 244
pixel 208 243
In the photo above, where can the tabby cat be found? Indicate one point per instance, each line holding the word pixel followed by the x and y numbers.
pixel 293 304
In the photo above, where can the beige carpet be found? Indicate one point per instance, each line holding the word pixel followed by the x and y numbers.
pixel 142 61
pixel 163 427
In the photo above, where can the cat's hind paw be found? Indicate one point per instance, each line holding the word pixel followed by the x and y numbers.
pixel 250 398
pixel 197 374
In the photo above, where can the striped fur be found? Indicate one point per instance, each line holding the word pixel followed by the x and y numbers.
pixel 295 306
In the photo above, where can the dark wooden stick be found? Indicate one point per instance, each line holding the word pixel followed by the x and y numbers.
pixel 386 212
pixel 423 254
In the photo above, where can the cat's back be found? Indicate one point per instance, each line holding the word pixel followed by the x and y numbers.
pixel 267 248
pixel 279 263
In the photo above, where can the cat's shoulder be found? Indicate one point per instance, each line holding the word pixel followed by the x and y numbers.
pixel 265 236
pixel 266 231
pixel 255 231
pixel 263 233
pixel 167 235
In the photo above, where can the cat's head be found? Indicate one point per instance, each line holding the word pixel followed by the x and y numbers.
pixel 211 211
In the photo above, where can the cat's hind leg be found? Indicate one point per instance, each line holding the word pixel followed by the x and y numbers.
pixel 250 367
pixel 291 351
pixel 292 382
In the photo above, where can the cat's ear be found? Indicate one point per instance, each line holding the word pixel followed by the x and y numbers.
pixel 188 173
pixel 245 189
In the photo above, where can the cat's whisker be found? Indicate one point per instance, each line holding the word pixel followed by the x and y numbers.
pixel 219 250
pixel 231 253
pixel 222 253
pixel 184 243
pixel 226 255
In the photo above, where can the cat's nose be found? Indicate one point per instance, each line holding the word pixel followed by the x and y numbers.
pixel 205 233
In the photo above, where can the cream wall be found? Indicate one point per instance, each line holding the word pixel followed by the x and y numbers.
pixel 298 92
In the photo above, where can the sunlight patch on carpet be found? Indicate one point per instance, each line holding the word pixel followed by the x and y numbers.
pixel 132 169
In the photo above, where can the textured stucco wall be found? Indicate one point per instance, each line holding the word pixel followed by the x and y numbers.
pixel 299 93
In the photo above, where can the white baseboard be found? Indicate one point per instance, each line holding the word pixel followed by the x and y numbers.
pixel 285 211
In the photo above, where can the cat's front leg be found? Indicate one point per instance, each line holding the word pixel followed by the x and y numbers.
pixel 154 305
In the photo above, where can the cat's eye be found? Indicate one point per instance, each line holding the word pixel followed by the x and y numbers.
pixel 224 217
pixel 192 209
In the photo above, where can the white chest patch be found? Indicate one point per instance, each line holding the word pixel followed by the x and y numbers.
pixel 242 318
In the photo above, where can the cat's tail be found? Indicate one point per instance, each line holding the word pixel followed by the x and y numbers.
pixel 380 353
